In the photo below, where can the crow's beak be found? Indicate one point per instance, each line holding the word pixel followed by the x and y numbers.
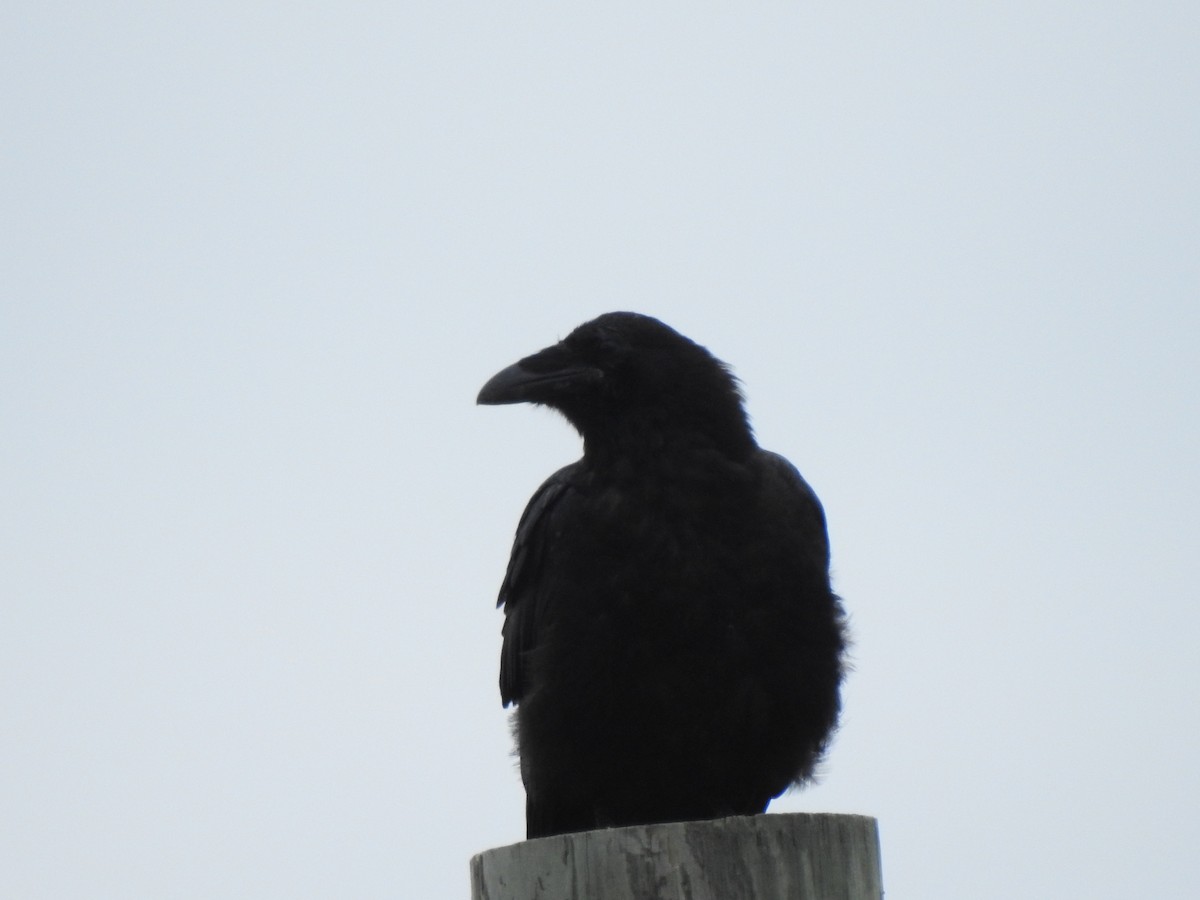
pixel 537 379
pixel 509 385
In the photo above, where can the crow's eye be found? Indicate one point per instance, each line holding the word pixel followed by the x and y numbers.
pixel 603 346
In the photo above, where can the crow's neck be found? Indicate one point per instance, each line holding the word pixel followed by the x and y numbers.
pixel 651 446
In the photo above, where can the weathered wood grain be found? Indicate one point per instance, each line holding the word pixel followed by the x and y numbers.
pixel 769 857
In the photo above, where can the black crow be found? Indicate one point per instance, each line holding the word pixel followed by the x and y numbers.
pixel 670 637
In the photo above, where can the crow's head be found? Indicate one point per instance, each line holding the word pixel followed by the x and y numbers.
pixel 629 379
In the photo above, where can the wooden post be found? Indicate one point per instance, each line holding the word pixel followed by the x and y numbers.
pixel 770 857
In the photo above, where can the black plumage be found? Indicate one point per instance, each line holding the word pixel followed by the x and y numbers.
pixel 671 639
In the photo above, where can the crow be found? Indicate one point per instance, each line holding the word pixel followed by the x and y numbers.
pixel 671 640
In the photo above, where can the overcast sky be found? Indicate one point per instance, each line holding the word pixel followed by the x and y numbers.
pixel 257 259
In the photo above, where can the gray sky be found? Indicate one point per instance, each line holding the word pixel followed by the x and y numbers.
pixel 258 260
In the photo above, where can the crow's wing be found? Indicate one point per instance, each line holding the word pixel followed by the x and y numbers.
pixel 524 593
pixel 797 507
